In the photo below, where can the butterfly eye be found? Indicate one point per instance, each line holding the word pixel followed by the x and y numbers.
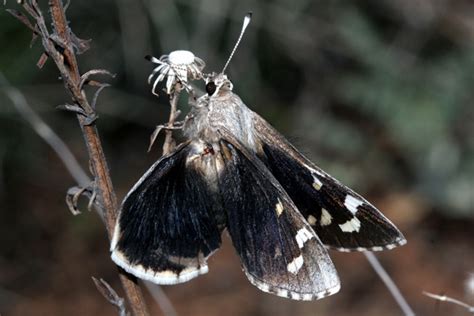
pixel 210 88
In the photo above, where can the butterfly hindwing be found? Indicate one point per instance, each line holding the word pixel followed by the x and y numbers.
pixel 342 218
pixel 166 227
pixel 279 251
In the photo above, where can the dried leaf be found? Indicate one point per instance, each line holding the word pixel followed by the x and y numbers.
pixel 42 60
pixel 72 108
pixel 85 77
pixel 110 295
pixel 72 198
pixel 80 45
pixel 96 94
pixel 73 195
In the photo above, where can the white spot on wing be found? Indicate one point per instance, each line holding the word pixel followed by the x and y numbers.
pixel 352 225
pixel 311 220
pixel 279 208
pixel 352 203
pixel 295 265
pixel 326 218
pixel 264 287
pixel 316 171
pixel 317 184
pixel 302 236
pixel 282 292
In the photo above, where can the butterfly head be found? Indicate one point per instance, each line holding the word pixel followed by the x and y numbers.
pixel 218 85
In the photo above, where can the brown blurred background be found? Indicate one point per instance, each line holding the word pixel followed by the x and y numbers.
pixel 378 93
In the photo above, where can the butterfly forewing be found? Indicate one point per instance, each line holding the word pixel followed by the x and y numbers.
pixel 279 251
pixel 341 218
pixel 167 227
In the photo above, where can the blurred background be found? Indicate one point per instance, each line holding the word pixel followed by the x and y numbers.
pixel 378 93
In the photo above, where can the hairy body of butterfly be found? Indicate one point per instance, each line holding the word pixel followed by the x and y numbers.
pixel 236 172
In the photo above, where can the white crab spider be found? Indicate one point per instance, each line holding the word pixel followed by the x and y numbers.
pixel 179 65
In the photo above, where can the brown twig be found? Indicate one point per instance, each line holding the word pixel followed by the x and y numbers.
pixel 61 46
pixel 169 143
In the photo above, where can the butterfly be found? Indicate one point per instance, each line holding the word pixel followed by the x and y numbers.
pixel 237 173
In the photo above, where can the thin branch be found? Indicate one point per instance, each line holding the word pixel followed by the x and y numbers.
pixel 161 299
pixel 444 298
pixel 389 283
pixel 169 143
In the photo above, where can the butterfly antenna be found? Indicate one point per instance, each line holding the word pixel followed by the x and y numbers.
pixel 247 19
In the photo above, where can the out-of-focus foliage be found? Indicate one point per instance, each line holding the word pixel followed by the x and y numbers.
pixel 389 82
pixel 421 89
pixel 378 93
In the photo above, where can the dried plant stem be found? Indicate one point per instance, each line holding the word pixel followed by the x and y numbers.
pixel 60 46
pixel 169 143
pixel 387 280
pixel 96 155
